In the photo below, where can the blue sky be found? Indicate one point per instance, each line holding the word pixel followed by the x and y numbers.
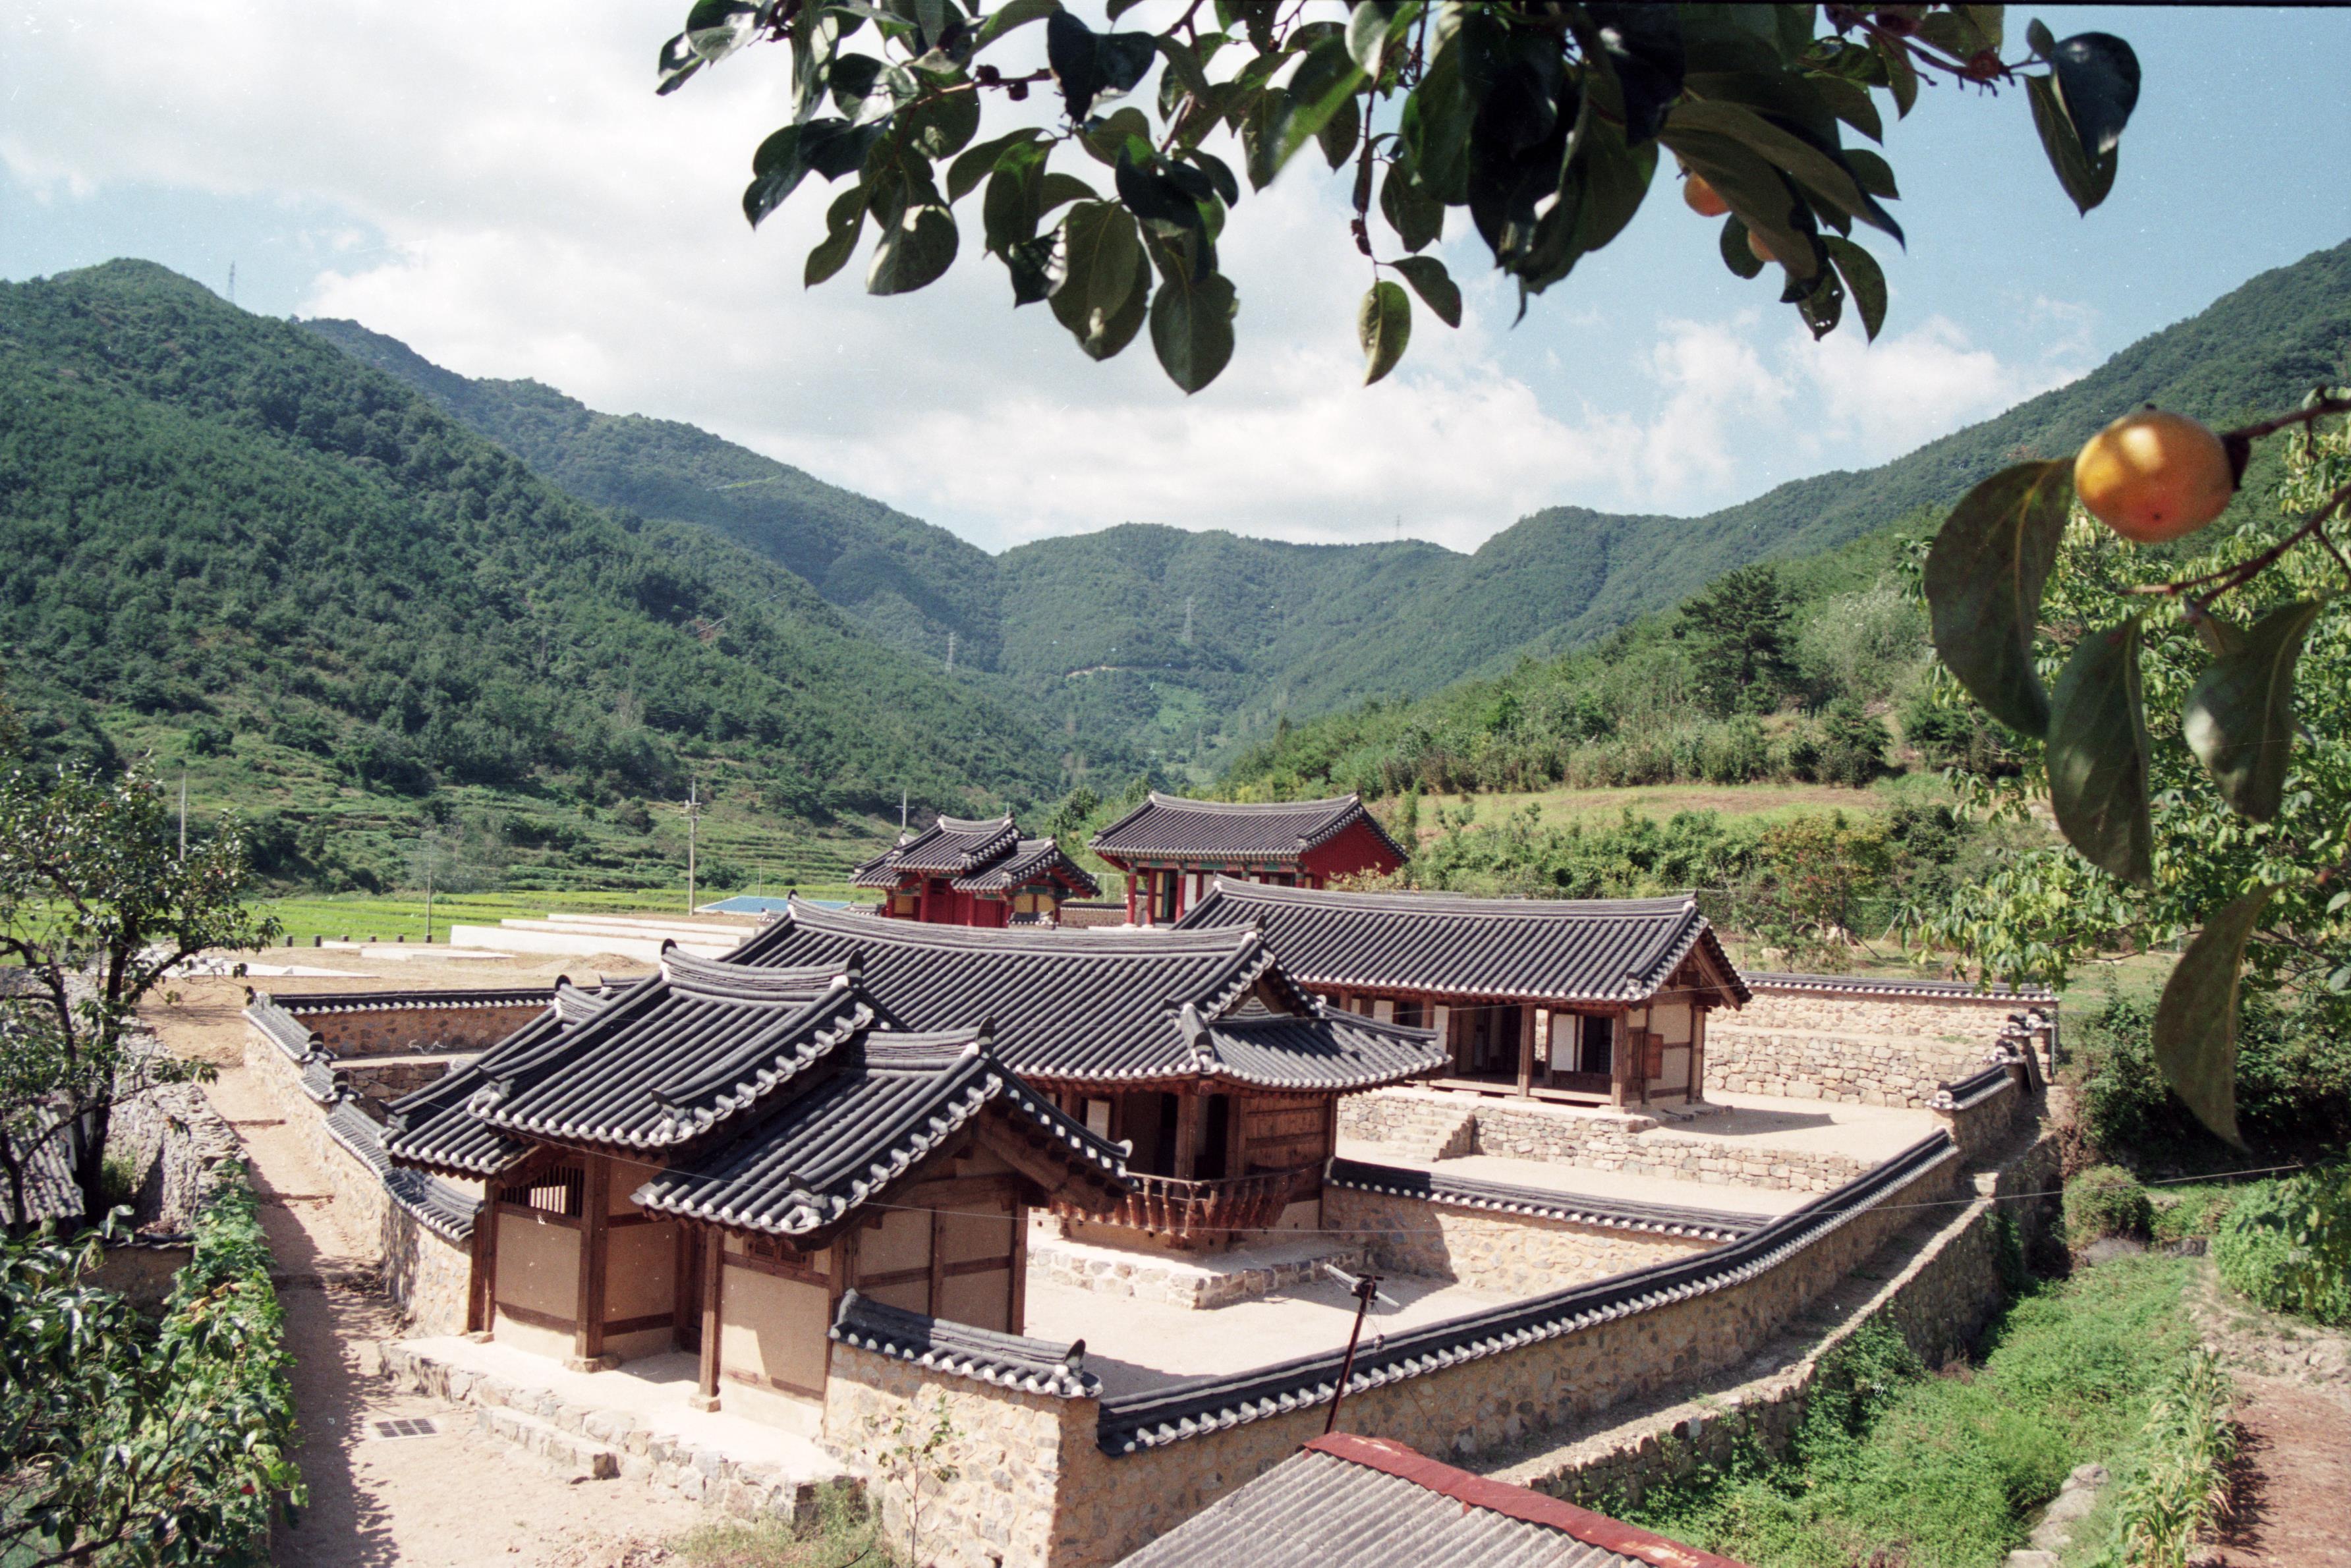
pixel 522 206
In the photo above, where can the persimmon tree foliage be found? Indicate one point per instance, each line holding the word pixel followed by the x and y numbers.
pixel 2185 718
pixel 1549 122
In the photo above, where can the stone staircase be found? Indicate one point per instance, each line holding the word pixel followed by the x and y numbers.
pixel 1440 1131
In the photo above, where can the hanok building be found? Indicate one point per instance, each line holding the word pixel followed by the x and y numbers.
pixel 958 872
pixel 1194 1048
pixel 1171 848
pixel 1580 1000
pixel 714 1158
pixel 711 1158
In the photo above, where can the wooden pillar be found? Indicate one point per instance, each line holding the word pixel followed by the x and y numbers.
pixel 1017 1322
pixel 1441 1021
pixel 1236 1136
pixel 1130 898
pixel 1526 1050
pixel 596 1196
pixel 482 1300
pixel 714 1279
pixel 938 1262
pixel 1188 1106
pixel 1624 1050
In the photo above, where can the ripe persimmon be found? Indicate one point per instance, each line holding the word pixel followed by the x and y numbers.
pixel 2153 476
pixel 1761 251
pixel 1703 198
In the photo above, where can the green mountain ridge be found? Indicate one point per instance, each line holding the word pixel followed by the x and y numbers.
pixel 1090 630
pixel 231 545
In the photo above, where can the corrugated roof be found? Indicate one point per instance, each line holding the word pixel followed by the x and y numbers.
pixel 893 1100
pixel 1009 1360
pixel 1608 1212
pixel 1100 1007
pixel 1372 1502
pixel 1176 1412
pixel 1169 827
pixel 1610 951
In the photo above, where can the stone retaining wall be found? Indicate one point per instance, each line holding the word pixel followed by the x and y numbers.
pixel 414 1031
pixel 1860 1049
pixel 1510 1254
pixel 1202 1283
pixel 1950 1283
pixel 429 1275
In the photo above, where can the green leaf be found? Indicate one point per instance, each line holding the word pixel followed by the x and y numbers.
pixel 1192 326
pixel 2195 1035
pixel 1184 63
pixel 1433 285
pixel 1875 174
pixel 1862 277
pixel 1339 132
pixel 1099 270
pixel 1902 77
pixel 1756 192
pixel 828 147
pixel 1817 169
pixel 2040 39
pixel 979 162
pixel 2086 180
pixel 940 126
pixel 2098 755
pixel 2239 717
pixel 1983 580
pixel 1441 112
pixel 1285 120
pixel 1418 217
pixel 2097 80
pixel 844 221
pixel 1372 24
pixel 1126 131
pixel 1384 325
pixel 1010 14
pixel 913 251
pixel 1851 102
pixel 1736 253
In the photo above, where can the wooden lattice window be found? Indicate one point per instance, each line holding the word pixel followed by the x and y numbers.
pixel 555 1189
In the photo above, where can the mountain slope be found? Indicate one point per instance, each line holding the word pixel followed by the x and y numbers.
pixel 1090 630
pixel 219 528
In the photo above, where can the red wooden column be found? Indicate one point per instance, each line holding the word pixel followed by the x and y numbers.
pixel 1130 898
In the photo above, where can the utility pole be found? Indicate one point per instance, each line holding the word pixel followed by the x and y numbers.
pixel 184 813
pixel 693 811
pixel 950 652
pixel 902 813
pixel 232 283
pixel 1187 621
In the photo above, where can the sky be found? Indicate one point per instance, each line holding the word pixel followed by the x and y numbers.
pixel 513 201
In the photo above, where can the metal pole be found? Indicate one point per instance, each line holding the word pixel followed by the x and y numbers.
pixel 1366 1289
pixel 184 808
pixel 693 809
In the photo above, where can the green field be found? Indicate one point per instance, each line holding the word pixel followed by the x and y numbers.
pixel 388 917
pixel 1732 802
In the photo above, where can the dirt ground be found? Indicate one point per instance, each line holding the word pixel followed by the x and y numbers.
pixel 2293 1419
pixel 452 1501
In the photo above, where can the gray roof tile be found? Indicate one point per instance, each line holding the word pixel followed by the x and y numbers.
pixel 1169 827
pixel 1606 1213
pixel 1009 1360
pixel 1588 950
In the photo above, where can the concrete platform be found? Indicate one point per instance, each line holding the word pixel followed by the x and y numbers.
pixel 1549 1176
pixel 1200 1282
pixel 630 1421
pixel 1866 1132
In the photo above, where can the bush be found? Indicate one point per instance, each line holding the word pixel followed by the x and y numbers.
pixel 2288 1246
pixel 2107 1200
pixel 2294 1083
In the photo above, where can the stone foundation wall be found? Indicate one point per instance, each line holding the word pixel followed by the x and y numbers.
pixel 1510 1254
pixel 1200 1283
pixel 1419 1119
pixel 429 1275
pixel 382 1082
pixel 1949 1284
pixel 414 1031
pixel 1010 1451
pixel 1864 1051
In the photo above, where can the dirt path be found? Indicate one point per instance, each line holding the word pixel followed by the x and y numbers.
pixel 2293 1417
pixel 452 1501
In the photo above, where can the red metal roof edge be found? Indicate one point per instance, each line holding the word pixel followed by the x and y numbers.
pixel 1391 1458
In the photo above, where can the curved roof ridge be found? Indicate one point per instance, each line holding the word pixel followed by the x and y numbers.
pixel 1189 803
pixel 1663 904
pixel 1140 941
pixel 741 983
pixel 971 824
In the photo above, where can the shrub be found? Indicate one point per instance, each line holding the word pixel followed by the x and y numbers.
pixel 2107 1200
pixel 2180 1485
pixel 2294 1083
pixel 2288 1246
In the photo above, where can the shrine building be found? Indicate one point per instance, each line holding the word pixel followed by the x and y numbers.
pixel 1171 848
pixel 958 872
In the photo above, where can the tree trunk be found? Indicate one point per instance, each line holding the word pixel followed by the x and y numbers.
pixel 87 1148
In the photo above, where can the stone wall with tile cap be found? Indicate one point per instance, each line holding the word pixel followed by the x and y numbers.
pixel 1858 1048
pixel 1507 1254
pixel 414 1031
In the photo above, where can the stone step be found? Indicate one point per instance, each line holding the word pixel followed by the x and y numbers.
pixel 567 1454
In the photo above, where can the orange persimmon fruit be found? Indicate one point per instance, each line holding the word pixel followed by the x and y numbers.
pixel 2154 477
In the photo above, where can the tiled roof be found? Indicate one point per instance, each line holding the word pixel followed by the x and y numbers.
pixel 1883 986
pixel 892 1101
pixel 664 1064
pixel 433 1128
pixel 949 846
pixel 1009 1360
pixel 1170 1414
pixel 1168 827
pixel 1608 1212
pixel 1372 1502
pixel 1031 861
pixel 440 1206
pixel 1100 1007
pixel 1587 950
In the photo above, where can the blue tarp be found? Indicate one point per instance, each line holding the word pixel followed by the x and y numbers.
pixel 759 903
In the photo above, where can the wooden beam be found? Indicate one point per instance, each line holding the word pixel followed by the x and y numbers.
pixel 1526 1050
pixel 1235 1135
pixel 1018 1313
pixel 938 1260
pixel 595 1198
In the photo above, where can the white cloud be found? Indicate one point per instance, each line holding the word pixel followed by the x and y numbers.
pixel 522 206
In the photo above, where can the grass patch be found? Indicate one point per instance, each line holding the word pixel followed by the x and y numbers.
pixel 386 917
pixel 1894 1464
pixel 845 1534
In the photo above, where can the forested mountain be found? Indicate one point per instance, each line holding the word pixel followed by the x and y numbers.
pixel 218 528
pixel 1091 630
